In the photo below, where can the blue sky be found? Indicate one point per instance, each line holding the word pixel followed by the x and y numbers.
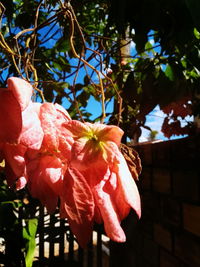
pixel 154 119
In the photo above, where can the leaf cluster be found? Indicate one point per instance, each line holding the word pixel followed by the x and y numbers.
pixel 163 68
pixel 17 238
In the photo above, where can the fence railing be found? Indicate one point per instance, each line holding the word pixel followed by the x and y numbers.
pixel 56 245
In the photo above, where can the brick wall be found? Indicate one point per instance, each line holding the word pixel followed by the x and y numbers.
pixel 168 234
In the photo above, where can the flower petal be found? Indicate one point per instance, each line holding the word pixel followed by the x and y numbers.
pixel 20 183
pixel 21 90
pixel 10 117
pixel 53 172
pixel 56 137
pixel 40 183
pixel 14 155
pixel 77 128
pixel 117 197
pixel 107 132
pixel 10 175
pixel 48 116
pixel 63 113
pixel 94 144
pixel 109 213
pixel 78 204
pixel 32 133
pixel 128 186
pixel 12 180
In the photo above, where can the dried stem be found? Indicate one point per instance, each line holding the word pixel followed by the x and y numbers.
pixel 70 15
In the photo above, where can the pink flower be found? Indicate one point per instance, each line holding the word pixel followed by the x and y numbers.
pixel 57 139
pixel 106 182
pixel 13 101
pixel 19 121
pixel 45 180
pixel 46 169
pixel 20 128
pixel 58 158
pixel 77 205
pixel 34 143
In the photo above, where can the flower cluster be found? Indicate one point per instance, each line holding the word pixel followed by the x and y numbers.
pixel 57 158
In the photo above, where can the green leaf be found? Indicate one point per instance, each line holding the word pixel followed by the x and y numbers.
pixel 57 66
pixel 62 45
pixel 62 64
pixel 29 233
pixel 196 33
pixel 83 99
pixel 60 87
pixel 148 46
pixel 169 73
pixel 47 64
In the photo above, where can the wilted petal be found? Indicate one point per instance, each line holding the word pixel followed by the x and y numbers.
pixel 78 205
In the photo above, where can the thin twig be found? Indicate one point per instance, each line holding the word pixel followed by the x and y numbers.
pixel 86 63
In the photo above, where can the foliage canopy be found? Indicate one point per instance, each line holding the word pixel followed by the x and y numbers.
pixel 74 50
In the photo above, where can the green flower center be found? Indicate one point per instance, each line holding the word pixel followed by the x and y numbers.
pixel 96 144
pixel 94 138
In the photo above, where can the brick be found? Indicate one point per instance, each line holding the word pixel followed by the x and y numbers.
pixel 151 252
pixel 187 249
pixel 145 178
pixel 147 228
pixel 171 209
pixel 191 218
pixel 161 180
pixel 141 262
pixel 163 236
pixel 197 139
pixel 184 265
pixel 185 184
pixel 161 154
pixel 151 209
pixel 167 260
pixel 145 153
pixel 122 254
pixel 183 152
